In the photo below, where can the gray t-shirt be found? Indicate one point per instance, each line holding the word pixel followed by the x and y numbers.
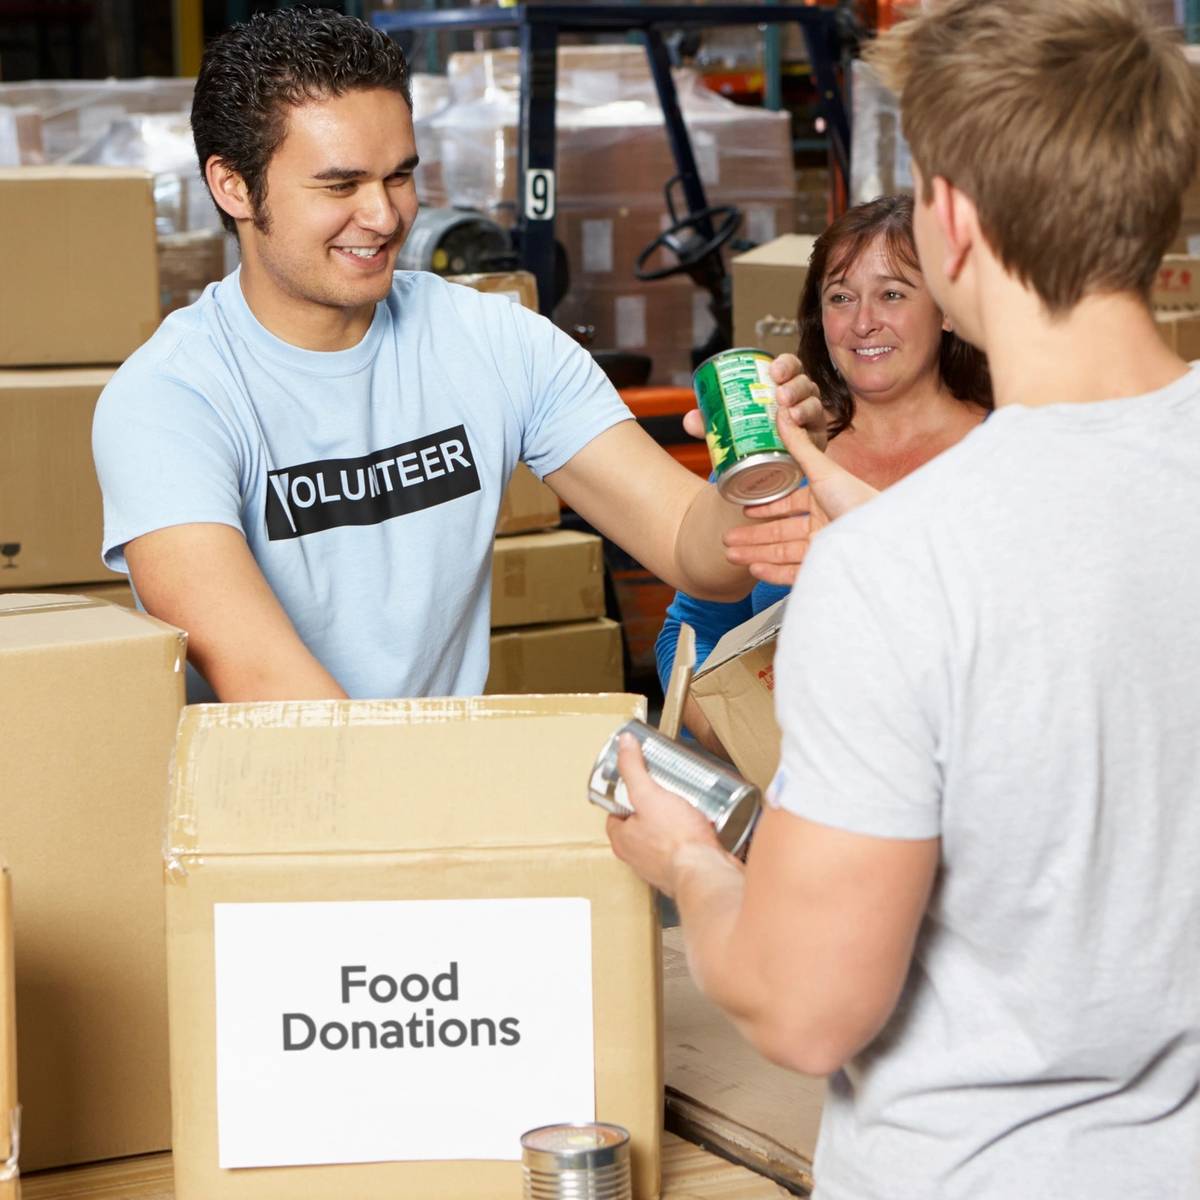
pixel 1003 651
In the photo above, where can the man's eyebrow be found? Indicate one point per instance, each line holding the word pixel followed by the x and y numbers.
pixel 349 174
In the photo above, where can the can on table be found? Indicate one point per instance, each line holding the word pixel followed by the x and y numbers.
pixel 576 1162
pixel 726 799
pixel 737 399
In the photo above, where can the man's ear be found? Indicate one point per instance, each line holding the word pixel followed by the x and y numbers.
pixel 958 222
pixel 228 189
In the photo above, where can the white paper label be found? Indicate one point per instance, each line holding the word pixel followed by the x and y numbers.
pixel 598 246
pixel 381 1031
pixel 759 222
pixel 631 322
pixel 539 195
pixel 703 322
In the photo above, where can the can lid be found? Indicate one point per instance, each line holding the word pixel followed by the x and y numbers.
pixel 574 1146
pixel 761 478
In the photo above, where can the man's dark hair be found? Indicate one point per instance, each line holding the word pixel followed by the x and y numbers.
pixel 251 74
pixel 962 367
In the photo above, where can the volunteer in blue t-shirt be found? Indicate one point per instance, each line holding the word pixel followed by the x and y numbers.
pixel 303 469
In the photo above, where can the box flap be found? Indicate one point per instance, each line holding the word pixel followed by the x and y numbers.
pixel 754 632
pixel 319 777
pixel 682 670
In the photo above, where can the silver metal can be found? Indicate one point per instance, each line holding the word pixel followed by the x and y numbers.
pixel 707 784
pixel 576 1162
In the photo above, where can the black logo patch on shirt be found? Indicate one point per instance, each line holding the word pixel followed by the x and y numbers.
pixel 387 483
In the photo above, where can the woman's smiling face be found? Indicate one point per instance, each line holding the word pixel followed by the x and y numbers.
pixel 882 328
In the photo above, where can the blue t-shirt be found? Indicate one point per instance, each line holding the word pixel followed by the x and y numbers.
pixel 367 481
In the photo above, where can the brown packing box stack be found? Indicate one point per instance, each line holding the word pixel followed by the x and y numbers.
pixel 528 504
pixel 1177 285
pixel 50 507
pixel 583 656
pixel 541 578
pixel 767 282
pixel 375 805
pixel 187 264
pixel 519 286
pixel 10 1117
pixel 735 689
pixel 79 295
pixel 89 699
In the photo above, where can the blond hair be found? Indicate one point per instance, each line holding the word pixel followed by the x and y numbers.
pixel 1071 124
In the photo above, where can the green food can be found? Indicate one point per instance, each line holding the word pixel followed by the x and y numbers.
pixel 737 399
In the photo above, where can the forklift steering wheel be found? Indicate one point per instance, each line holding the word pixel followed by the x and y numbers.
pixel 690 251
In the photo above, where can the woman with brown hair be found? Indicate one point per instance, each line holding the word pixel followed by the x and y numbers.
pixel 898 384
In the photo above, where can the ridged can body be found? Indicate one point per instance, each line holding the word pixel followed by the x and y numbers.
pixel 576 1162
pixel 736 396
pixel 725 798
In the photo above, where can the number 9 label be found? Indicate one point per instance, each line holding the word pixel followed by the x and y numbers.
pixel 539 195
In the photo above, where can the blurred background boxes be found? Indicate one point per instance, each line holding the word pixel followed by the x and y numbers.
pixel 544 578
pixel 89 698
pixel 583 656
pixel 767 282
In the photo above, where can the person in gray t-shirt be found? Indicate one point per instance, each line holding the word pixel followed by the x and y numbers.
pixel 974 900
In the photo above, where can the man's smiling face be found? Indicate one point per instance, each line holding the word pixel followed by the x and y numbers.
pixel 339 202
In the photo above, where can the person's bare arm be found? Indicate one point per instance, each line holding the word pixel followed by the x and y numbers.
pixel 807 947
pixel 671 521
pixel 203 579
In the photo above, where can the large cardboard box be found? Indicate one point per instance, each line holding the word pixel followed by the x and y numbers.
pixel 10 1114
pixel 350 885
pixel 540 578
pixel 118 592
pixel 80 264
pixel 51 513
pixel 767 282
pixel 584 656
pixel 735 689
pixel 1177 285
pixel 528 504
pixel 89 699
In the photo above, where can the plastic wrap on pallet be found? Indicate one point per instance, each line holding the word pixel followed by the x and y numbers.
pixel 430 98
pixel 611 145
pixel 880 164
pixel 76 113
pixel 21 142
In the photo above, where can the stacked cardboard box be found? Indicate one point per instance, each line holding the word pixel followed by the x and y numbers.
pixel 73 306
pixel 90 695
pixel 767 282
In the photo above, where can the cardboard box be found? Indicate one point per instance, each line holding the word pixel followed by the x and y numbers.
pixel 528 504
pixel 542 578
pixel 89 699
pixel 10 1114
pixel 1181 331
pixel 80 264
pixel 735 689
pixel 341 864
pixel 1178 283
pixel 51 514
pixel 115 593
pixel 518 286
pixel 584 656
pixel 187 264
pixel 767 282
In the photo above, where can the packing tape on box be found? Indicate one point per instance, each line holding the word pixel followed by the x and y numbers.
pixel 57 606
pixel 9 1170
